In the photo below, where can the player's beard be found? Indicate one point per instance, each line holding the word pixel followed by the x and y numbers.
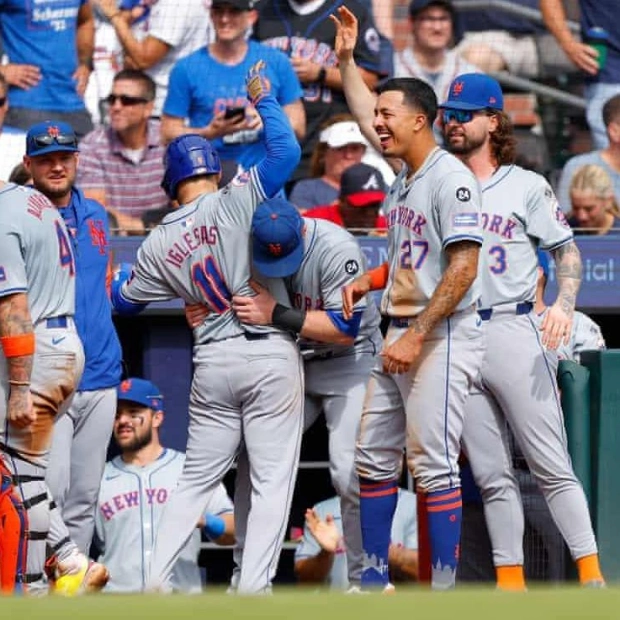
pixel 464 145
pixel 139 441
pixel 55 192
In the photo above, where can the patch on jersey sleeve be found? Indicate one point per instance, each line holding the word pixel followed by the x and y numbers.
pixel 465 220
pixel 2 274
pixel 351 267
pixel 241 179
pixel 463 194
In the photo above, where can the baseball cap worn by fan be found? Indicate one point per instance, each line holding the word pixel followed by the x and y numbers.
pixel 240 5
pixel 362 185
pixel 474 91
pixel 341 134
pixel 416 6
pixel 50 137
pixel 142 392
pixel 277 239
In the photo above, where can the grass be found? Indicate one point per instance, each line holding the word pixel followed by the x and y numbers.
pixel 298 604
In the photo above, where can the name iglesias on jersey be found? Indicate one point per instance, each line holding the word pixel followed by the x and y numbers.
pixel 189 243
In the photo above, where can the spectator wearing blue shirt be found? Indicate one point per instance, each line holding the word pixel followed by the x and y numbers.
pixel 207 83
pixel 50 51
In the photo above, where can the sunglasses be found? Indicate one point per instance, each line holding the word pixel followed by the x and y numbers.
pixel 125 100
pixel 2 101
pixel 45 139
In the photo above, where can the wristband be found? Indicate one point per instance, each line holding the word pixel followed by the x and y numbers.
pixel 288 318
pixel 214 526
pixel 15 346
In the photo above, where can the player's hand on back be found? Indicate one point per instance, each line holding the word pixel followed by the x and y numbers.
pixel 556 326
pixel 256 310
pixel 195 314
pixel 20 410
pixel 324 532
pixel 257 84
pixel 346 34
pixel 352 293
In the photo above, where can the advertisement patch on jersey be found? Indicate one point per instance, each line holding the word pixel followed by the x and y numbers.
pixel 463 194
pixel 351 267
pixel 465 220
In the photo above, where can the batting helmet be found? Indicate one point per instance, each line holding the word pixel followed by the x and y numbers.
pixel 188 156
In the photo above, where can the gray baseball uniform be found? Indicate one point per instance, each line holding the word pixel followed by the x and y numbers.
pixel 518 376
pixel 585 336
pixel 36 259
pixel 248 380
pixel 404 532
pixel 131 500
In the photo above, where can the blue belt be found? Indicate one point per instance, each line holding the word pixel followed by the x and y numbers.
pixel 524 307
pixel 57 321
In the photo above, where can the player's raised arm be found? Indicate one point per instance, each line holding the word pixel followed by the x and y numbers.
pixel 283 150
pixel 558 320
pixel 360 99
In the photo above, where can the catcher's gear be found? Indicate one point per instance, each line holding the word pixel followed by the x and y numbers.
pixel 258 86
pixel 188 156
pixel 13 526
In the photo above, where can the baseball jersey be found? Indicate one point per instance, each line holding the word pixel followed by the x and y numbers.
pixel 35 253
pixel 513 230
pixel 437 206
pixel 201 254
pixel 131 499
pixel 404 532
pixel 585 335
pixel 200 87
pixel 332 259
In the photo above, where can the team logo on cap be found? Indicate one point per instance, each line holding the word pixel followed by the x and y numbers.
pixel 126 385
pixel 53 131
pixel 372 183
pixel 457 88
pixel 275 249
pixel 492 99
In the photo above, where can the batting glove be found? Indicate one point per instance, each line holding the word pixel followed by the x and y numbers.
pixel 258 86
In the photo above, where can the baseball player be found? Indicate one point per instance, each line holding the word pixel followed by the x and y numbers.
pixel 320 556
pixel 317 258
pixel 41 358
pixel 81 437
pixel 137 485
pixel 519 214
pixel 434 343
pixel 247 380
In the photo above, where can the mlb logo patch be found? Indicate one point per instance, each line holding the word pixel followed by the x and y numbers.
pixel 465 220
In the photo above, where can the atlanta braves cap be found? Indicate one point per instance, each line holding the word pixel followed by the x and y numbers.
pixel 362 185
pixel 341 134
pixel 474 91
pixel 277 240
pixel 50 137
pixel 543 262
pixel 142 392
pixel 241 5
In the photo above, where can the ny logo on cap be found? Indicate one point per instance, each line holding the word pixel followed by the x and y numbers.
pixel 275 249
pixel 53 131
pixel 126 385
pixel 372 183
pixel 457 88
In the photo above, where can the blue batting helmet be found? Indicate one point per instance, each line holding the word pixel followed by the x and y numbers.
pixel 188 156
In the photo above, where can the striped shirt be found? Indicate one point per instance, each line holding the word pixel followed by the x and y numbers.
pixel 131 185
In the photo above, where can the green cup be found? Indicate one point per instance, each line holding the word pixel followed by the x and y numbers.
pixel 598 39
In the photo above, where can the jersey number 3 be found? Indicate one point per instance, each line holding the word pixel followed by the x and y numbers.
pixel 64 249
pixel 209 280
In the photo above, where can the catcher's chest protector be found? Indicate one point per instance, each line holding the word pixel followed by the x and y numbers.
pixel 12 534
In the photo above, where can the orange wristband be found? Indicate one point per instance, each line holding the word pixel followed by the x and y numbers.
pixel 14 346
pixel 378 277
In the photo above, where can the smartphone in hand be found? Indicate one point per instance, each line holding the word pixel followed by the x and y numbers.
pixel 232 112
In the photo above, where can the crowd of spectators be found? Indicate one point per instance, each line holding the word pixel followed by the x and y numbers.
pixel 131 75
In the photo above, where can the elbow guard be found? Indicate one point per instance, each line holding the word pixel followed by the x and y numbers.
pixel 349 328
pixel 120 303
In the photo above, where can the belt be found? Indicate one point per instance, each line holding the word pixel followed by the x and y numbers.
pixel 57 321
pixel 253 336
pixel 401 321
pixel 519 462
pixel 523 307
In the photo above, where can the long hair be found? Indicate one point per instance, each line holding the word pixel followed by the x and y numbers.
pixel 503 141
pixel 317 159
pixel 595 180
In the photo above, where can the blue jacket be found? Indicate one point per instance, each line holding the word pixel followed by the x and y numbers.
pixel 93 310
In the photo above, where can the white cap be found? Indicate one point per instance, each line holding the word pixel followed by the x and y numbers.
pixel 341 134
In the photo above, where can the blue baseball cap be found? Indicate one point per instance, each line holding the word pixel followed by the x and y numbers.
pixel 277 240
pixel 50 137
pixel 543 262
pixel 474 91
pixel 142 392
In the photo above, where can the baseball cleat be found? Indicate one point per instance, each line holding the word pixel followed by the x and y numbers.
pixel 389 589
pixel 594 584
pixel 78 575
